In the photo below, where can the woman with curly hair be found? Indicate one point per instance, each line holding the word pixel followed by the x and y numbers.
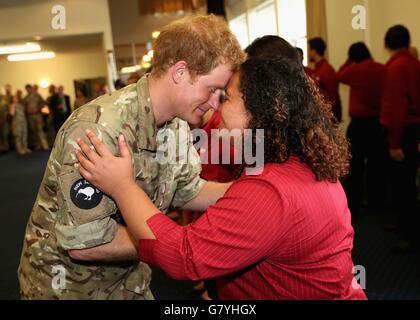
pixel 283 234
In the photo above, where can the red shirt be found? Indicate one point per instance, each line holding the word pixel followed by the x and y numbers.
pixel 309 72
pixel 326 77
pixel 401 98
pixel 217 172
pixel 366 83
pixel 280 235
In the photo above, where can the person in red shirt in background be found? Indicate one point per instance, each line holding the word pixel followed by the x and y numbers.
pixel 366 135
pixel 325 75
pixel 309 72
pixel 415 52
pixel 283 234
pixel 400 114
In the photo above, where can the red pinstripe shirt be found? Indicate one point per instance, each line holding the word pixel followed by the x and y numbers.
pixel 280 235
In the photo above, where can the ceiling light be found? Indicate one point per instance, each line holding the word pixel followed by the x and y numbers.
pixel 146 65
pixel 44 83
pixel 130 69
pixel 28 47
pixel 31 56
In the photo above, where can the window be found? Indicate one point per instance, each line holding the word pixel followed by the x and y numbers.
pixel 263 20
pixel 285 18
pixel 292 23
pixel 239 27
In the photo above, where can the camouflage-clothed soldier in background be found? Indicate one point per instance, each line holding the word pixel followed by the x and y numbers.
pixel 19 124
pixel 33 103
pixel 73 221
pixel 8 91
pixel 49 127
pixel 4 125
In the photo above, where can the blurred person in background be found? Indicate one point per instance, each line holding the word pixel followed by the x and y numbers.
pixel 4 123
pixel 81 99
pixel 415 52
pixel 34 103
pixel 19 124
pixel 400 115
pixel 119 84
pixel 60 108
pixel 367 138
pixel 325 75
pixel 309 72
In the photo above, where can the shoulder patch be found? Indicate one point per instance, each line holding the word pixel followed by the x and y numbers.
pixel 84 195
pixel 85 202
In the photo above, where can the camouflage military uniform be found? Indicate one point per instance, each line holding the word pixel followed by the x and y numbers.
pixel 33 104
pixel 71 214
pixel 4 125
pixel 20 129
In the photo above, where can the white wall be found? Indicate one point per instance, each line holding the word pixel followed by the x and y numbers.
pixel 381 14
pixel 85 63
pixel 386 13
pixel 340 36
pixel 26 19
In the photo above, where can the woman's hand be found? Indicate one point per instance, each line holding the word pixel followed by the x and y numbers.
pixel 108 173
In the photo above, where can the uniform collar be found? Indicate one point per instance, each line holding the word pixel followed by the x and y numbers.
pixel 148 130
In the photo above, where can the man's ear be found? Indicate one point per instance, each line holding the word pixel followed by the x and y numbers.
pixel 179 71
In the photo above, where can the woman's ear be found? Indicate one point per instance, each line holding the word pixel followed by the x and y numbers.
pixel 179 70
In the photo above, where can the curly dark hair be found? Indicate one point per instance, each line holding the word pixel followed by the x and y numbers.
pixel 296 120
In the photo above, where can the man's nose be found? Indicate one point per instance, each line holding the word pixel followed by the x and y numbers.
pixel 214 101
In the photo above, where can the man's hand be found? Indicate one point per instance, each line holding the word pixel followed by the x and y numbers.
pixel 397 155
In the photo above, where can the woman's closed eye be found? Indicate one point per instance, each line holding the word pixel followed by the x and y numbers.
pixel 224 97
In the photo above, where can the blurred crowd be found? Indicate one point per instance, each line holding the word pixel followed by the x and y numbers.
pixel 29 121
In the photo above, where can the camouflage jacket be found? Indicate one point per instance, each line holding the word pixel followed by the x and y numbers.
pixel 33 103
pixel 69 213
pixel 4 104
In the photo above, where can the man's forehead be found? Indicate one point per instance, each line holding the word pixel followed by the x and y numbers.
pixel 218 81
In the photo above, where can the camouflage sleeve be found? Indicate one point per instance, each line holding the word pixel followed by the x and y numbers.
pixel 189 180
pixel 84 218
pixel 25 102
pixel 42 101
